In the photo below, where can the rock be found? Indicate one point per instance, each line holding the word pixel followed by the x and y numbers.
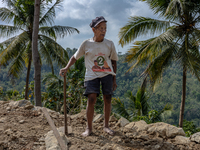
pixel 8 132
pixel 51 141
pixel 21 121
pixel 144 137
pixel 195 137
pixel 112 118
pixel 181 140
pixel 79 115
pixel 28 107
pixel 117 147
pixel 140 126
pixel 123 121
pixel 98 118
pixel 20 103
pixel 130 125
pixel 8 109
pixel 159 128
pixel 3 102
pixel 173 131
pixel 2 120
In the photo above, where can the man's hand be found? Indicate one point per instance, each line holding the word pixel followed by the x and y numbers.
pixel 114 85
pixel 63 72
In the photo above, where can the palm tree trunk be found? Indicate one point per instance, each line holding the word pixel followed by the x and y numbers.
pixel 183 98
pixel 27 77
pixel 36 57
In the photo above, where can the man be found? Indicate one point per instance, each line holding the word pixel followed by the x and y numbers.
pixel 100 49
pixel 96 67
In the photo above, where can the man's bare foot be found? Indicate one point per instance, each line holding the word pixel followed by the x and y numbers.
pixel 87 132
pixel 108 130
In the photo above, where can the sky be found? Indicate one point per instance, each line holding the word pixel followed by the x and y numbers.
pixel 79 14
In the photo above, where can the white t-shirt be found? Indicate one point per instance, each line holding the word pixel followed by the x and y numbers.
pixel 98 56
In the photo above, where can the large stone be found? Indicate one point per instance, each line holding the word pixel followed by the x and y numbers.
pixel 82 114
pixel 181 140
pixel 112 118
pixel 195 137
pixel 159 128
pixel 141 126
pixel 173 131
pixel 98 118
pixel 2 120
pixel 123 121
pixel 28 106
pixel 130 125
pixel 51 141
pixel 20 103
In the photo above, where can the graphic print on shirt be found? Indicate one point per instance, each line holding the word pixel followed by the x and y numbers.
pixel 100 64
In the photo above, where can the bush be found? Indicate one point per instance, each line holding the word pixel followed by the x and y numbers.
pixel 189 128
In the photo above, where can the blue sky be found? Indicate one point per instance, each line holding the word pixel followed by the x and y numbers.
pixel 79 13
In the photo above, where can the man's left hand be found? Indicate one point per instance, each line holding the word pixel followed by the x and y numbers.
pixel 114 85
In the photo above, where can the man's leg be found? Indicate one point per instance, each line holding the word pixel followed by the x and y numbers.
pixel 107 111
pixel 90 113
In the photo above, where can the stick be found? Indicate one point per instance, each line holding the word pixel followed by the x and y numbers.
pixel 65 111
pixel 55 131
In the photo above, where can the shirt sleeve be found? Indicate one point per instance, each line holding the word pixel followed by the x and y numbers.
pixel 80 52
pixel 113 54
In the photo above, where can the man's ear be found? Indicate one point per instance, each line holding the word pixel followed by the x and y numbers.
pixel 93 29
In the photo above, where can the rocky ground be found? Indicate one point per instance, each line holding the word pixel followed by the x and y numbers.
pixel 24 127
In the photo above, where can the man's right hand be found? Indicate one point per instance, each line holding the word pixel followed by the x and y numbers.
pixel 63 72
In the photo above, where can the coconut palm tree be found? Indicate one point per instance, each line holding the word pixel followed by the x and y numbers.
pixel 35 54
pixel 17 49
pixel 177 41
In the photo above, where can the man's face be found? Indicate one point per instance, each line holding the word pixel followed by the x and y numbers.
pixel 100 30
pixel 95 63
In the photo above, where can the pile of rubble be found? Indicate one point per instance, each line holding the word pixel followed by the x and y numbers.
pixel 24 127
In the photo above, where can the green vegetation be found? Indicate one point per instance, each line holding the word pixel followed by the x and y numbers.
pixel 167 92
pixel 177 41
pixel 17 49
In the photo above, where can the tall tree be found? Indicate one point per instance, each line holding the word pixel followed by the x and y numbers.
pixel 178 42
pixel 36 56
pixel 16 51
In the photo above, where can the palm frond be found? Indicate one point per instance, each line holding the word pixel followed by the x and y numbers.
pixel 175 9
pixel 148 50
pixel 138 26
pixel 6 30
pixel 49 16
pixel 52 82
pixel 57 31
pixel 46 56
pixel 12 50
pixel 158 6
pixel 16 66
pixel 6 14
pixel 119 107
pixel 54 49
pixel 155 69
pixel 7 42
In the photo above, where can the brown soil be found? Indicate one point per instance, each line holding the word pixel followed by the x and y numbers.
pixel 24 129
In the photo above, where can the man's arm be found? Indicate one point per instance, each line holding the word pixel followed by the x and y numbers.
pixel 69 64
pixel 114 65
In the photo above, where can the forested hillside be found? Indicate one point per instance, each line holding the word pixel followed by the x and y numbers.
pixel 169 91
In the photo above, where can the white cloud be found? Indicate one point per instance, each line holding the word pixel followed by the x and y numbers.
pixel 76 9
pixel 139 9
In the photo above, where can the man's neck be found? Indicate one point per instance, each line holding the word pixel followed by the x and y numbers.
pixel 97 39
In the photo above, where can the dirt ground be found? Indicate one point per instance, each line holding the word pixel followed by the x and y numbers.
pixel 22 128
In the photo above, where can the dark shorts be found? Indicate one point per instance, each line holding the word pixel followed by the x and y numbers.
pixel 93 86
